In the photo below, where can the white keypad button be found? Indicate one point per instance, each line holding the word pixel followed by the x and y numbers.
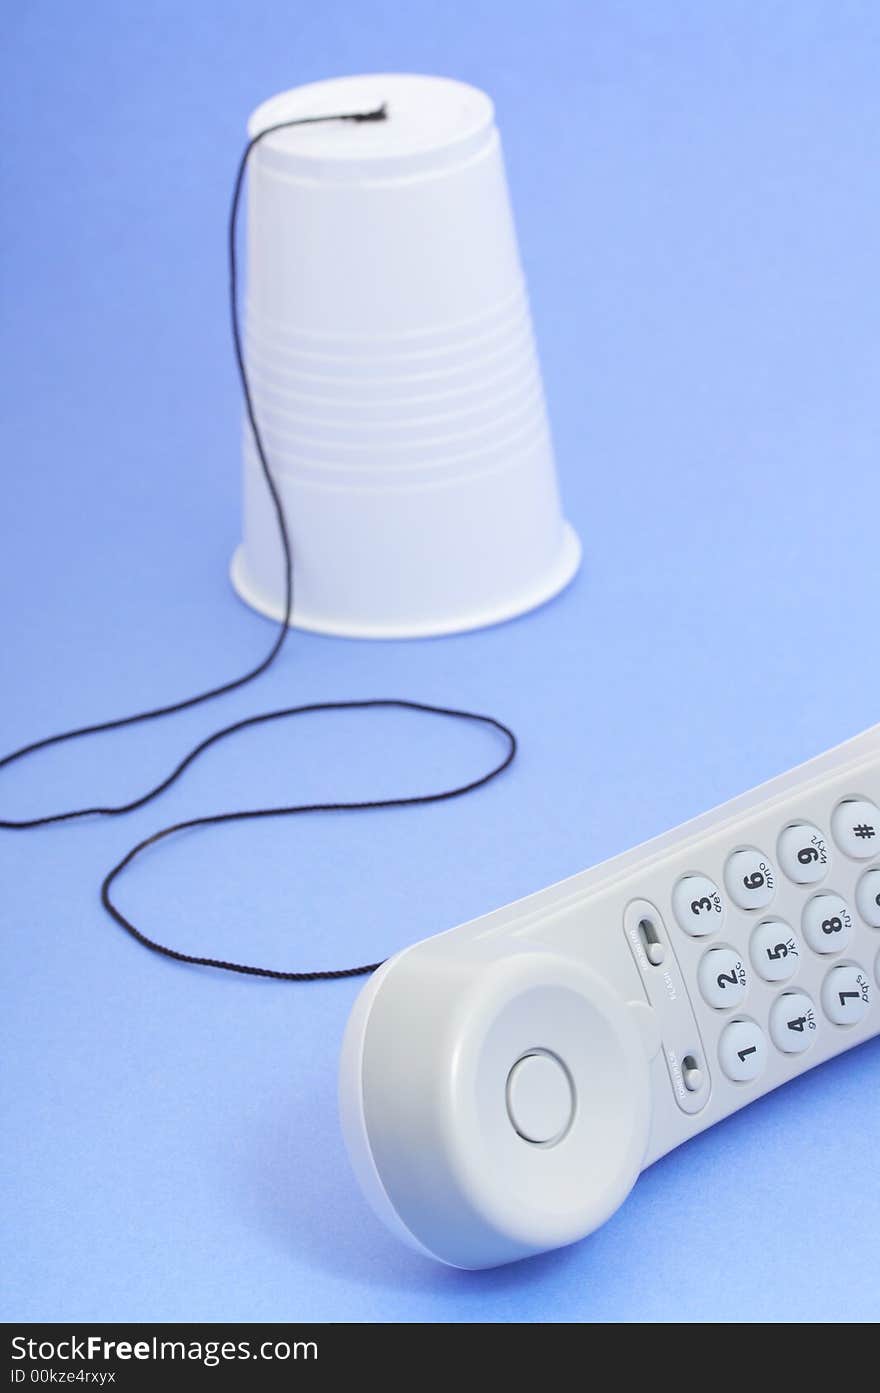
pixel 803 853
pixel 827 922
pixel 722 977
pixel 868 898
pixel 793 1023
pixel 742 1051
pixel 698 905
pixel 775 951
pixel 856 828
pixel 750 879
pixel 846 994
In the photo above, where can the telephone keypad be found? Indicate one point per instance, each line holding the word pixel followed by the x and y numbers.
pixel 781 951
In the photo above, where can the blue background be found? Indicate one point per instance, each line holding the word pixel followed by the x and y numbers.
pixel 697 197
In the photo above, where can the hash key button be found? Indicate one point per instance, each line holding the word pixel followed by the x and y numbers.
pixel 856 828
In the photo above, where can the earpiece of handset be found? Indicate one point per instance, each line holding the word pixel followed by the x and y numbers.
pixel 493 1107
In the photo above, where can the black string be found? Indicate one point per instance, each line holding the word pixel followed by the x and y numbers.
pixel 380 114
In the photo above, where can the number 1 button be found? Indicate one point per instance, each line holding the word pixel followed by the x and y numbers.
pixel 750 879
pixel 742 1051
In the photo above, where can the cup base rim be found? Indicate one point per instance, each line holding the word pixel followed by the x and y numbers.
pixel 563 570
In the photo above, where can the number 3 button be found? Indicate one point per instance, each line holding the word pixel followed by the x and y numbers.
pixel 750 879
pixel 722 978
pixel 698 905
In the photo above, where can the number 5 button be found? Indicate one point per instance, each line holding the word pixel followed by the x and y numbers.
pixel 775 951
pixel 742 1051
pixel 698 905
pixel 750 879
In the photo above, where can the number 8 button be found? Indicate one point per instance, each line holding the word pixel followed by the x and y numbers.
pixel 750 879
pixel 826 923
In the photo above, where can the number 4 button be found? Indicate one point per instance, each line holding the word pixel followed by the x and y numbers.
pixel 793 1023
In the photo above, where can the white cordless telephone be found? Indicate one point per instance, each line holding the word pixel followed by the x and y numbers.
pixel 503 1084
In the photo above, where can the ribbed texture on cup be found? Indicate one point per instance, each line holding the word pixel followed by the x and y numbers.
pixel 393 369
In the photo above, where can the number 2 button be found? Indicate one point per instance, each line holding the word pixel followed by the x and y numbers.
pixel 750 879
pixel 722 977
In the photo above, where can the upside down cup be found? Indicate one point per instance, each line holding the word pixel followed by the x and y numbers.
pixel 384 287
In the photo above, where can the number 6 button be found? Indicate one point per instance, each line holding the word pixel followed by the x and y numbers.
pixel 750 879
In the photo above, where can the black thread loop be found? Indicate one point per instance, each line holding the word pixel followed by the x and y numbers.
pixel 379 114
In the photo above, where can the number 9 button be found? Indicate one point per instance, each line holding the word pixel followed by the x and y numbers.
pixel 750 879
pixel 803 854
pixel 698 905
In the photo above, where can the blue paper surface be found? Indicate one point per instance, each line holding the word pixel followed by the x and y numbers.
pixel 697 199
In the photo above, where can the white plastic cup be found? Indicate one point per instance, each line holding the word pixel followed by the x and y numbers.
pixel 392 364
